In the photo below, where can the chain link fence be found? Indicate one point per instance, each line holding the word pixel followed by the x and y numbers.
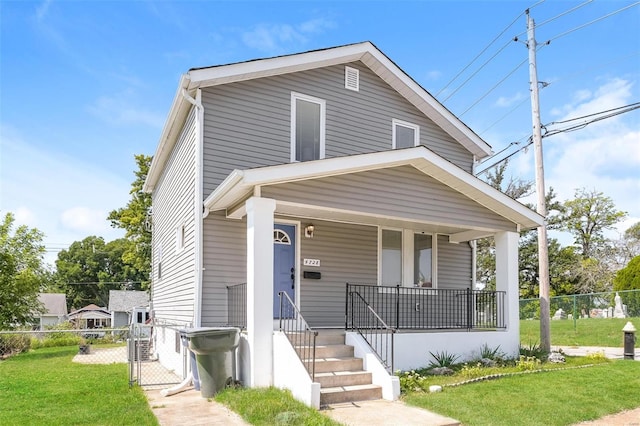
pixel 137 346
pixel 591 305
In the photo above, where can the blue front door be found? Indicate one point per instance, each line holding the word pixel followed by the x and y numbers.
pixel 284 260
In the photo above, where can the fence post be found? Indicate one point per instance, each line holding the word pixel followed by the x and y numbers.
pixel 575 312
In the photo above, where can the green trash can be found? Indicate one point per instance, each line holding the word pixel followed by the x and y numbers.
pixel 214 348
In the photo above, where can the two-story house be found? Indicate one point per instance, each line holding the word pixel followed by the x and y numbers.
pixel 327 191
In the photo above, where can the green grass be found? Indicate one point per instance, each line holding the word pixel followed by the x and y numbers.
pixel 271 406
pixel 562 397
pixel 588 331
pixel 44 386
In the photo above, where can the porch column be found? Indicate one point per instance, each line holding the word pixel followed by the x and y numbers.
pixel 507 277
pixel 260 289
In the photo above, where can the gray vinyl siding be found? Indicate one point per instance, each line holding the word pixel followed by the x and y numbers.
pixel 397 192
pixel 173 204
pixel 454 264
pixel 225 263
pixel 347 253
pixel 248 124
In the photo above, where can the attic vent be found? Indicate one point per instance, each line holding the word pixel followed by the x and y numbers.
pixel 351 78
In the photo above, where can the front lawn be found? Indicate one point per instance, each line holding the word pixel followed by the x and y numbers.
pixel 561 397
pixel 588 331
pixel 45 387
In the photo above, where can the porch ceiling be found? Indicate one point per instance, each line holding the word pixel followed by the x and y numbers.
pixel 241 184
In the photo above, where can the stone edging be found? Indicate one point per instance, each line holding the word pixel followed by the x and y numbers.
pixel 515 373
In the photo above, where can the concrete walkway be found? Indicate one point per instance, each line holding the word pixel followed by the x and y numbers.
pixel 189 408
pixel 612 353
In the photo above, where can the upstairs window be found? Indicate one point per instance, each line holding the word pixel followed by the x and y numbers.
pixel 307 127
pixel 405 135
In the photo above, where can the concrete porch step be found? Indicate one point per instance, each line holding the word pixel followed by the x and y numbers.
pixel 327 351
pixel 329 364
pixel 330 337
pixel 335 395
pixel 343 378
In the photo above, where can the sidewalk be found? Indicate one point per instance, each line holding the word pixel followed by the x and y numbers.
pixel 612 353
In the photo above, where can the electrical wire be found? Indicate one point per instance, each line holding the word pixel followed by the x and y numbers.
pixel 564 13
pixel 619 111
pixel 522 102
pixel 635 104
pixel 481 53
pixel 494 87
pixel 593 22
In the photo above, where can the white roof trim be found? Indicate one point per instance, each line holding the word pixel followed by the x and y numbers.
pixel 366 52
pixel 240 183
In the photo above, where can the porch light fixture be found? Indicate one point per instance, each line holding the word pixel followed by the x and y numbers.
pixel 308 230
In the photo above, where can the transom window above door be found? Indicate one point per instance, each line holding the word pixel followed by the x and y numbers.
pixel 307 127
pixel 405 135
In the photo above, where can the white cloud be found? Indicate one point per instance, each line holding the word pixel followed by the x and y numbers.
pixel 434 75
pixel 504 102
pixel 604 156
pixel 276 38
pixel 24 216
pixel 41 187
pixel 85 220
pixel 42 10
pixel 120 109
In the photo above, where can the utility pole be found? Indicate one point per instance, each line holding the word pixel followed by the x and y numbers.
pixel 543 248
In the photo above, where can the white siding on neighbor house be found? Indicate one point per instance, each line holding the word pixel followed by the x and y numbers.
pixel 173 206
pixel 247 124
pixel 402 192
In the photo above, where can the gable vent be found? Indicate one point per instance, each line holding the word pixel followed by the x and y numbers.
pixel 352 78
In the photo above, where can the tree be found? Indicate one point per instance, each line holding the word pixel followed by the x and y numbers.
pixel 628 278
pixel 133 219
pixel 90 268
pixel 21 267
pixel 587 216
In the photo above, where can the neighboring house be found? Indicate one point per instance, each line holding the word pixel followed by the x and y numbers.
pixel 55 309
pixel 91 316
pixel 122 303
pixel 302 173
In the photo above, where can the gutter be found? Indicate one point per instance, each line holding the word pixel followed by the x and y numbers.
pixel 197 205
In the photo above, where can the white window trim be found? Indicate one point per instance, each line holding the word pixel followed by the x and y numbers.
pixel 180 237
pixel 415 127
pixel 407 256
pixel 323 106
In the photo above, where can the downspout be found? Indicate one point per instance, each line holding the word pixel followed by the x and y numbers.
pixel 198 206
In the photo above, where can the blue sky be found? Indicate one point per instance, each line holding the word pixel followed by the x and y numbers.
pixel 84 86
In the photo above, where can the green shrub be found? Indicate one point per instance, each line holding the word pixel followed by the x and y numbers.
pixel 68 339
pixel 443 359
pixel 533 350
pixel 471 371
pixel 11 344
pixel 412 381
pixel 526 363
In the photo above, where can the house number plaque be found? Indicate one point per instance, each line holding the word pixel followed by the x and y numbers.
pixel 311 262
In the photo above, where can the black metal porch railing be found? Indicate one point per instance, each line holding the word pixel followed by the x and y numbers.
pixel 417 308
pixel 301 336
pixel 237 305
pixel 372 328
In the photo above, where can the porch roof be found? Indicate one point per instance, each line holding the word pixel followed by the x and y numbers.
pixel 241 184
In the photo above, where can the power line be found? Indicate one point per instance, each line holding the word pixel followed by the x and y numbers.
pixel 564 13
pixel 618 111
pixel 481 53
pixel 593 22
